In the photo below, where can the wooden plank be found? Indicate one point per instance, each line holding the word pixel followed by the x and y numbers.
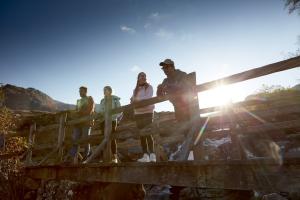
pixel 263 129
pixel 238 152
pixel 105 144
pixel 239 77
pixel 253 73
pixel 61 136
pixel 244 116
pixel 270 127
pixel 45 158
pixel 195 120
pixel 30 143
pixel 107 157
pixel 235 175
pixel 265 112
pixel 2 141
pixel 278 101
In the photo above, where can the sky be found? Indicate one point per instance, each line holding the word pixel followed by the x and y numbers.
pixel 58 46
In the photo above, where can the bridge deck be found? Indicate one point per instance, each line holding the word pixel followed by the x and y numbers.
pixel 260 174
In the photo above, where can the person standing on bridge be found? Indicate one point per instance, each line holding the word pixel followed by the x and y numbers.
pixel 176 84
pixel 107 90
pixel 85 107
pixel 144 116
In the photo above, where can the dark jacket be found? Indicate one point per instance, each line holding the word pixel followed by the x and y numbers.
pixel 177 82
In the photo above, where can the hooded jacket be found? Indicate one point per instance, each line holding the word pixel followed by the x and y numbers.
pixel 115 104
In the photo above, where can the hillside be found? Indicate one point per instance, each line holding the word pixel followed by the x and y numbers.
pixel 18 98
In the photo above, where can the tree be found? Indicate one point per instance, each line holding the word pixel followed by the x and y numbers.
pixel 293 5
pixel 10 175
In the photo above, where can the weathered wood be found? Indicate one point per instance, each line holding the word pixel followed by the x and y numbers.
pixel 289 106
pixel 243 115
pixel 107 157
pixel 236 175
pixel 30 143
pixel 274 101
pixel 97 151
pixel 194 121
pixel 264 175
pixel 198 143
pixel 270 127
pixel 238 152
pixel 61 136
pixel 239 77
pixel 125 145
pixel 54 151
pixel 187 145
pixel 174 132
pixel 105 144
pixel 252 73
pixel 294 136
pixel 2 141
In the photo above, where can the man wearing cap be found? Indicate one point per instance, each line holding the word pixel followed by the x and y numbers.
pixel 85 106
pixel 176 84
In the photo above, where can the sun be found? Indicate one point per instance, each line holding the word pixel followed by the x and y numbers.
pixel 220 96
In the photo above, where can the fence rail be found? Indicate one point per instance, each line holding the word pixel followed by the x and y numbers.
pixel 105 144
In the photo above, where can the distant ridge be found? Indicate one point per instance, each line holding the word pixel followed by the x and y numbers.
pixel 19 98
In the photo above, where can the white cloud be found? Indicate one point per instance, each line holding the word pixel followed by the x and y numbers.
pixel 127 29
pixel 155 16
pixel 135 68
pixel 163 33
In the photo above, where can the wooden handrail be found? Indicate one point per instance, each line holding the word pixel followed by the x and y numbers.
pixel 239 77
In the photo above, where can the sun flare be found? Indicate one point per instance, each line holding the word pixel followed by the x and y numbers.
pixel 220 96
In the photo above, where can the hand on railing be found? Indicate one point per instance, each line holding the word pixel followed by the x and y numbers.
pixel 161 90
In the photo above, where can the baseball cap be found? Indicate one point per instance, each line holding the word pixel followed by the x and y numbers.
pixel 167 62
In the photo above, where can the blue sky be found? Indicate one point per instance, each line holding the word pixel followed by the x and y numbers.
pixel 57 46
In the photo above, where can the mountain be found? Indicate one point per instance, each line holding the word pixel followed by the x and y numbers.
pixel 18 98
pixel 296 87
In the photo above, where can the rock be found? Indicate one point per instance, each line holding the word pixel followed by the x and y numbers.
pixel 273 196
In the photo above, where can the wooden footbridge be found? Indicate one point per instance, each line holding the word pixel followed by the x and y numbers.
pixel 261 152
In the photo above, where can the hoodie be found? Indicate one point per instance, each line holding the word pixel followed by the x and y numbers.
pixel 115 104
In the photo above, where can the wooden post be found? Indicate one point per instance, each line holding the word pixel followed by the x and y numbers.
pixel 238 152
pixel 194 118
pixel 107 157
pixel 198 148
pixel 2 141
pixel 194 101
pixel 156 137
pixel 61 136
pixel 30 143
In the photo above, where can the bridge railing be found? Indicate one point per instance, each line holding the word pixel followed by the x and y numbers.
pixel 105 144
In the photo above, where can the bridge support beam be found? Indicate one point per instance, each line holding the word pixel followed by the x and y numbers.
pixel 262 175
